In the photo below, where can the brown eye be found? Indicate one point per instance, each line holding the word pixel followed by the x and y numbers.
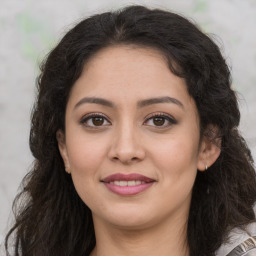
pixel 159 121
pixel 97 121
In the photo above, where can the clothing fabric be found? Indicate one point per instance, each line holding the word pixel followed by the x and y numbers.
pixel 248 247
pixel 240 243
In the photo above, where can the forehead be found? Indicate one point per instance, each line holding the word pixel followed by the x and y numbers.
pixel 127 73
pixel 126 52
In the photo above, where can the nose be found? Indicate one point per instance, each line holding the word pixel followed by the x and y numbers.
pixel 127 146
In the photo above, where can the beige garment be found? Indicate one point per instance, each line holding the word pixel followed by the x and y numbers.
pixel 240 243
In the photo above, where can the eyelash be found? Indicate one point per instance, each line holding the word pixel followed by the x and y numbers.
pixel 166 117
pixel 90 116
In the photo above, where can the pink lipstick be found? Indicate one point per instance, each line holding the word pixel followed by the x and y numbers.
pixel 127 184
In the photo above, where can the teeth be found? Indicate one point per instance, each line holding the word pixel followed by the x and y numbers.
pixel 131 183
pixel 124 183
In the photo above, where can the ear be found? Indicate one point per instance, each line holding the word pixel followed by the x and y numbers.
pixel 60 136
pixel 210 148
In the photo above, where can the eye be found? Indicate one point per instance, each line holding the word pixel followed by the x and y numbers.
pixel 160 120
pixel 95 120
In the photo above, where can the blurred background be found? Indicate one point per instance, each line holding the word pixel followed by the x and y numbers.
pixel 30 28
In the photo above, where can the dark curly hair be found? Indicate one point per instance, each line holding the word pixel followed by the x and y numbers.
pixel 51 219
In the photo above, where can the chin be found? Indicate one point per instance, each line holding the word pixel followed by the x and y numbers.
pixel 129 219
pixel 132 224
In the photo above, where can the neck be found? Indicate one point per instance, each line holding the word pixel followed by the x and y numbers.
pixel 166 239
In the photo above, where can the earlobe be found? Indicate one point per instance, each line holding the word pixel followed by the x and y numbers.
pixel 210 150
pixel 60 136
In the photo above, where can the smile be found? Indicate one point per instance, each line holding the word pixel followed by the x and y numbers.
pixel 127 184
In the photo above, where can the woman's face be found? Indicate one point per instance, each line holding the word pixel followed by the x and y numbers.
pixel 132 139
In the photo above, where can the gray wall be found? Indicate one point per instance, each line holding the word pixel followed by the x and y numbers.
pixel 29 28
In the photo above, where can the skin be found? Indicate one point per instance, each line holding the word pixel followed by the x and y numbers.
pixel 127 139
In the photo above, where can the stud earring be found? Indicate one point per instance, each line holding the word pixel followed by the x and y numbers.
pixel 67 170
pixel 206 167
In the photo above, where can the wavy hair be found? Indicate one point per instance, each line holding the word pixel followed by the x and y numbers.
pixel 50 217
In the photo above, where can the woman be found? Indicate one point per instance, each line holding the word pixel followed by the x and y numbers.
pixel 136 146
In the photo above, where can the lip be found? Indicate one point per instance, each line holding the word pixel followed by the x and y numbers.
pixel 127 190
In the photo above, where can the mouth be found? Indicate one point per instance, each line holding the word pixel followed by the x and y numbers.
pixel 127 184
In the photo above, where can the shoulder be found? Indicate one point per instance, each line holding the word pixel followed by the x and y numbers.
pixel 241 243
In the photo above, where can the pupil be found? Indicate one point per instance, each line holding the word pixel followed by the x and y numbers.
pixel 159 121
pixel 97 121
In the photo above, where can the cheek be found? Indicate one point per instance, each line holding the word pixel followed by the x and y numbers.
pixel 85 154
pixel 86 158
pixel 179 152
pixel 176 160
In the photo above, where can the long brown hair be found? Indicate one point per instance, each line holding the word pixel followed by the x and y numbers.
pixel 51 219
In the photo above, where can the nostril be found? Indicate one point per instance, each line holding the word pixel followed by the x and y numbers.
pixel 125 153
pixel 125 160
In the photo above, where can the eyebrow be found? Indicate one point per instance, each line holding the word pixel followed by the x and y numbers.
pixel 140 104
pixel 94 100
pixel 144 103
